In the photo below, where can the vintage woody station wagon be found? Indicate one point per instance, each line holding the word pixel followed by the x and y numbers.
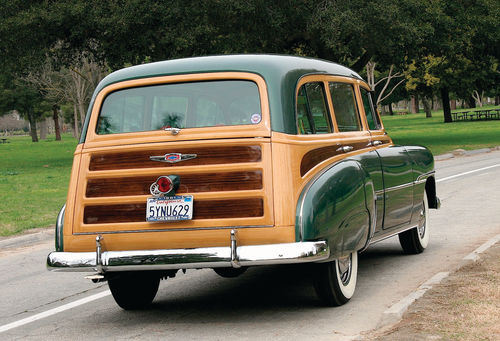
pixel 234 161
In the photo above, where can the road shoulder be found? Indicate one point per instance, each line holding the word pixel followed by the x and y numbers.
pixel 27 238
pixel 463 306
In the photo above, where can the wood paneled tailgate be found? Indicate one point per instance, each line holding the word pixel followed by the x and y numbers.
pixel 229 185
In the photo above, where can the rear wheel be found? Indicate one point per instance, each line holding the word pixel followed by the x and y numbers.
pixel 415 241
pixel 335 281
pixel 135 290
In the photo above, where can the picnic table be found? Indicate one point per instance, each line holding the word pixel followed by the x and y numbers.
pixel 4 140
pixel 469 115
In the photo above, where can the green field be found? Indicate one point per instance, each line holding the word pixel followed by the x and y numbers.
pixel 442 137
pixel 33 181
pixel 34 176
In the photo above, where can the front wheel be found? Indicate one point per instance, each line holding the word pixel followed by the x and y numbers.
pixel 335 281
pixel 415 241
pixel 135 290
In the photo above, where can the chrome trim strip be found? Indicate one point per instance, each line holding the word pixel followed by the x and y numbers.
pixel 249 255
pixel 377 239
pixel 420 179
pixel 172 229
pixel 398 187
pixel 425 176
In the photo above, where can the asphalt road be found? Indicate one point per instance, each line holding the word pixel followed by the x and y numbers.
pixel 266 302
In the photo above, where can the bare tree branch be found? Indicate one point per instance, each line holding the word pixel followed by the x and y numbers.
pixel 394 88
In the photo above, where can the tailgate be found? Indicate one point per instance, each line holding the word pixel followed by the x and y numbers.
pixel 230 180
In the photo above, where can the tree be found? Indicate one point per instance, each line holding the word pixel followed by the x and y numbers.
pixel 422 80
pixel 462 34
pixel 73 85
pixel 351 33
pixel 17 95
pixel 465 46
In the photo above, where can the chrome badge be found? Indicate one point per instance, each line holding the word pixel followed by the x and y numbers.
pixel 173 157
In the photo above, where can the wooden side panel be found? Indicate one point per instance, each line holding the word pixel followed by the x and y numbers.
pixel 318 155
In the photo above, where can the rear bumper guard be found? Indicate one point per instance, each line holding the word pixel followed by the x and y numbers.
pixel 213 257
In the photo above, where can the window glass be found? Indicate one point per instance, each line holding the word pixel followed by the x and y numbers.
pixel 312 112
pixel 344 107
pixel 303 123
pixel 180 105
pixel 371 115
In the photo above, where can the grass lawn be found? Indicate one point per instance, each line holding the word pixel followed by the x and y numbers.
pixel 442 137
pixel 34 176
pixel 34 180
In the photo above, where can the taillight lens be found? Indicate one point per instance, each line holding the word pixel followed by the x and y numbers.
pixel 165 184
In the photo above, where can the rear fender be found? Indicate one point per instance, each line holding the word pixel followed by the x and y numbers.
pixel 333 207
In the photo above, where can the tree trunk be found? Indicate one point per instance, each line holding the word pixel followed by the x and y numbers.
pixel 390 110
pixel 33 133
pixel 43 129
pixel 445 97
pixel 427 106
pixel 453 104
pixel 413 107
pixel 361 62
pixel 417 107
pixel 55 117
pixel 497 100
pixel 436 105
pixel 81 110
pixel 75 128
pixel 471 102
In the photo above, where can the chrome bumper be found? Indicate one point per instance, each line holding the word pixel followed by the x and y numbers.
pixel 213 257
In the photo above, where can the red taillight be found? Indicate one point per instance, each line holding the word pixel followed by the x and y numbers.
pixel 164 184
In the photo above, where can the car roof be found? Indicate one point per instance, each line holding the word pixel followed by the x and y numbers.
pixel 280 72
pixel 267 66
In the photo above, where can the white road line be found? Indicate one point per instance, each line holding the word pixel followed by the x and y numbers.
pixel 54 311
pixel 466 173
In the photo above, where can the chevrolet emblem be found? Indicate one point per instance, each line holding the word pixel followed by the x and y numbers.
pixel 173 157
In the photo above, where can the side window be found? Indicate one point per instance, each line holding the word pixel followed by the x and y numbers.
pixel 344 107
pixel 371 115
pixel 312 112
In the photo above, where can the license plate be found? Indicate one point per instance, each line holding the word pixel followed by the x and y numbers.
pixel 170 208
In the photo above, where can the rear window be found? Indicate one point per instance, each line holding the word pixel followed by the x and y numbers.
pixel 180 105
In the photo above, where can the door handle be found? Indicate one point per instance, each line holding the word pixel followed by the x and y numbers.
pixel 346 149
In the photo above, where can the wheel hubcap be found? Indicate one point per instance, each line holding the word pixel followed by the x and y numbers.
pixel 421 225
pixel 344 267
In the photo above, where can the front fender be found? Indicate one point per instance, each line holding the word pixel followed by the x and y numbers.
pixel 333 207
